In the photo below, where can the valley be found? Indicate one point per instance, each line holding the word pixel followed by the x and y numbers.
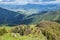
pixel 30 22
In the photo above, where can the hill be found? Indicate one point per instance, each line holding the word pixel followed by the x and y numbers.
pixel 31 17
pixel 43 16
pixel 51 30
pixel 9 17
pixel 45 30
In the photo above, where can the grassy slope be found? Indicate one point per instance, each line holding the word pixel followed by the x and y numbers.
pixel 31 37
pixel 49 30
pixel 8 36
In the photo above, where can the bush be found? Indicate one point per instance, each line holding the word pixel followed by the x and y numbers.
pixel 50 29
pixel 22 30
pixel 3 31
pixel 26 30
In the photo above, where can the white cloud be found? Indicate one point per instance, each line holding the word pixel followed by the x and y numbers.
pixel 16 2
pixel 23 2
pixel 0 0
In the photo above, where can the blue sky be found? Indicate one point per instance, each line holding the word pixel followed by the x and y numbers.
pixel 24 2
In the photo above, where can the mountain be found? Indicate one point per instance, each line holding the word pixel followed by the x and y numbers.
pixel 40 7
pixel 9 17
pixel 14 18
pixel 29 14
pixel 43 16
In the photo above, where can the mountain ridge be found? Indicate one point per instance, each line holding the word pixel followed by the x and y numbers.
pixel 41 7
pixel 9 17
pixel 44 16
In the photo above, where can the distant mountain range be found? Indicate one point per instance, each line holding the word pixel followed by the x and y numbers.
pixel 40 7
pixel 28 14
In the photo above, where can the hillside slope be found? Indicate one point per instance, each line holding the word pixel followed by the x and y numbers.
pixel 10 17
pixel 13 18
pixel 43 16
pixel 45 30
pixel 50 29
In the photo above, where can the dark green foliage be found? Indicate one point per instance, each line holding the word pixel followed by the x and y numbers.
pixel 3 31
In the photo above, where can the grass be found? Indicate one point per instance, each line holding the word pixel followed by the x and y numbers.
pixel 9 36
pixel 45 30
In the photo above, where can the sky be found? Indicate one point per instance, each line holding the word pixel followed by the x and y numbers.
pixel 24 2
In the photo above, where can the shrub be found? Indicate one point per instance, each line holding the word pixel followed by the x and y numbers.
pixel 22 30
pixel 3 31
pixel 50 29
pixel 26 30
